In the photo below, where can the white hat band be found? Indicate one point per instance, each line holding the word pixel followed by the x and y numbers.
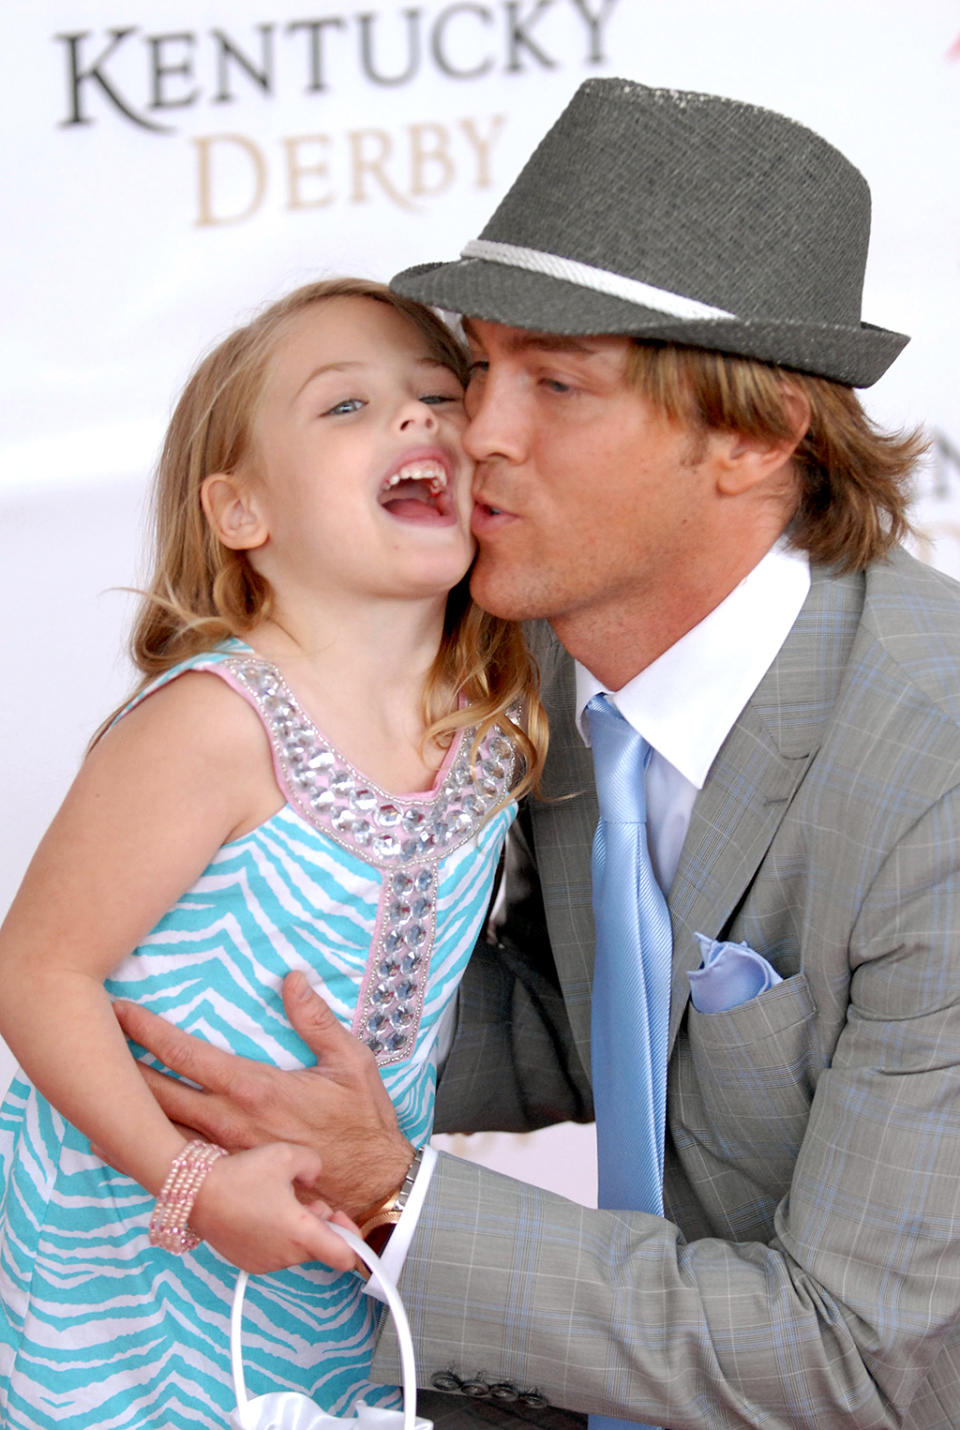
pixel 586 276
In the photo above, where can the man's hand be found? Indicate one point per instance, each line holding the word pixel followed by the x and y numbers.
pixel 339 1108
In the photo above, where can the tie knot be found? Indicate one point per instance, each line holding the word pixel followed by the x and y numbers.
pixel 620 757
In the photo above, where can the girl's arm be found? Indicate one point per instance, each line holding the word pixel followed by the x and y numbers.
pixel 176 778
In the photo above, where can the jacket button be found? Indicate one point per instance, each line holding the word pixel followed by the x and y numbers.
pixel 476 1389
pixel 535 1400
pixel 504 1391
pixel 445 1380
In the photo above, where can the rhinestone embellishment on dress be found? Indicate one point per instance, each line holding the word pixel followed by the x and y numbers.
pixel 405 836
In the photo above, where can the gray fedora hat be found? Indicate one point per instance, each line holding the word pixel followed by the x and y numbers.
pixel 683 217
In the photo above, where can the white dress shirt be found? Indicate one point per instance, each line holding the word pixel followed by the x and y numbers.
pixel 684 705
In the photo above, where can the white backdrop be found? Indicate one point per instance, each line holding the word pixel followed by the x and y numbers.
pixel 170 166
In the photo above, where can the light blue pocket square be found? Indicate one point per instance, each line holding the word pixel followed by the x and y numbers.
pixel 729 974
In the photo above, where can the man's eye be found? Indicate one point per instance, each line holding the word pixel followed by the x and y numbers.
pixel 349 404
pixel 552 384
pixel 477 368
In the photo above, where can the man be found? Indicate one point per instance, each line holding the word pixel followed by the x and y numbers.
pixel 696 504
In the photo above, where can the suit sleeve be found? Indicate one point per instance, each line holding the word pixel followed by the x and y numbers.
pixel 848 1314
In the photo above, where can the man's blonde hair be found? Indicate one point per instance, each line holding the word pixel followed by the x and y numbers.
pixel 202 592
pixel 853 480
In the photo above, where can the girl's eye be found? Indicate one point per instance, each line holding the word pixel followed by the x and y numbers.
pixel 439 397
pixel 552 384
pixel 477 368
pixel 349 404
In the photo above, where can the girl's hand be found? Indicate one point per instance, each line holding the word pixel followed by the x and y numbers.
pixel 247 1209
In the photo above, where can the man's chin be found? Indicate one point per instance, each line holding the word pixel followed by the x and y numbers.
pixel 499 593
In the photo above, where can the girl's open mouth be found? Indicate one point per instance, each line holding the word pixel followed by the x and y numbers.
pixel 417 491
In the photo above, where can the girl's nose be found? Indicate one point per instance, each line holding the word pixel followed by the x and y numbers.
pixel 415 413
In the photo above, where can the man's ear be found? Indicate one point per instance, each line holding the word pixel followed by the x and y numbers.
pixel 233 512
pixel 745 462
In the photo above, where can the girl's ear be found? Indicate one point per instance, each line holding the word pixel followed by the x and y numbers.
pixel 232 510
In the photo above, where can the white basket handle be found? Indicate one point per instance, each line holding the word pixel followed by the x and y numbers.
pixel 392 1295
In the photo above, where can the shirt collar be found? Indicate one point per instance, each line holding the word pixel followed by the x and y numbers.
pixel 686 702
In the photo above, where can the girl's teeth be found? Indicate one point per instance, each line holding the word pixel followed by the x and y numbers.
pixel 435 476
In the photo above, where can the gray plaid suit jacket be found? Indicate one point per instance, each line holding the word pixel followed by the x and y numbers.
pixel 807 1271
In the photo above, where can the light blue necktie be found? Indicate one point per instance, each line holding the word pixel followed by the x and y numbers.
pixel 631 980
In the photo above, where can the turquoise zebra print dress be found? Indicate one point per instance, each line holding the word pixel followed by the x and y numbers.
pixel 379 899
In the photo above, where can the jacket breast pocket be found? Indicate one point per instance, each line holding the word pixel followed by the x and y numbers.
pixel 745 1079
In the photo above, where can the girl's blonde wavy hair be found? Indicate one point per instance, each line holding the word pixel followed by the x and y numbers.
pixel 202 592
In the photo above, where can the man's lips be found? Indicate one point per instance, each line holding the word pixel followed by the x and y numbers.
pixel 487 517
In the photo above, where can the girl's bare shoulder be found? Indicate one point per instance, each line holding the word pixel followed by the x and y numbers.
pixel 196 716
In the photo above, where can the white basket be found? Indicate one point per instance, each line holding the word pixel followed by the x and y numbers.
pixel 291 1409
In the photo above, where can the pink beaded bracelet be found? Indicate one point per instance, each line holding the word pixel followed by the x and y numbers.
pixel 168 1225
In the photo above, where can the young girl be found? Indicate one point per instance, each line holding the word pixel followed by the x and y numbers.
pixel 321 754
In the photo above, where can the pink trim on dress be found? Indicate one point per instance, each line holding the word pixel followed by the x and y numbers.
pixel 403 835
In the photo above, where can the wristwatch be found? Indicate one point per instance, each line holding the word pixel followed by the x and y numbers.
pixel 377 1226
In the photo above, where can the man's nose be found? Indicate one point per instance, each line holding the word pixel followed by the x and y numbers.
pixel 493 428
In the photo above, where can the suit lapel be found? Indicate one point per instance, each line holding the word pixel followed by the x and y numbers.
pixel 757 772
pixel 734 819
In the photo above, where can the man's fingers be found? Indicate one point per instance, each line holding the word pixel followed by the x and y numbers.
pixel 187 1056
pixel 181 1103
pixel 202 1114
pixel 313 1020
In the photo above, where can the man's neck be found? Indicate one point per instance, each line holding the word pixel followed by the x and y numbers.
pixel 617 640
pixel 617 644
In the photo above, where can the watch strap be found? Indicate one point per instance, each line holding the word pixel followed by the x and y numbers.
pixel 378 1223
